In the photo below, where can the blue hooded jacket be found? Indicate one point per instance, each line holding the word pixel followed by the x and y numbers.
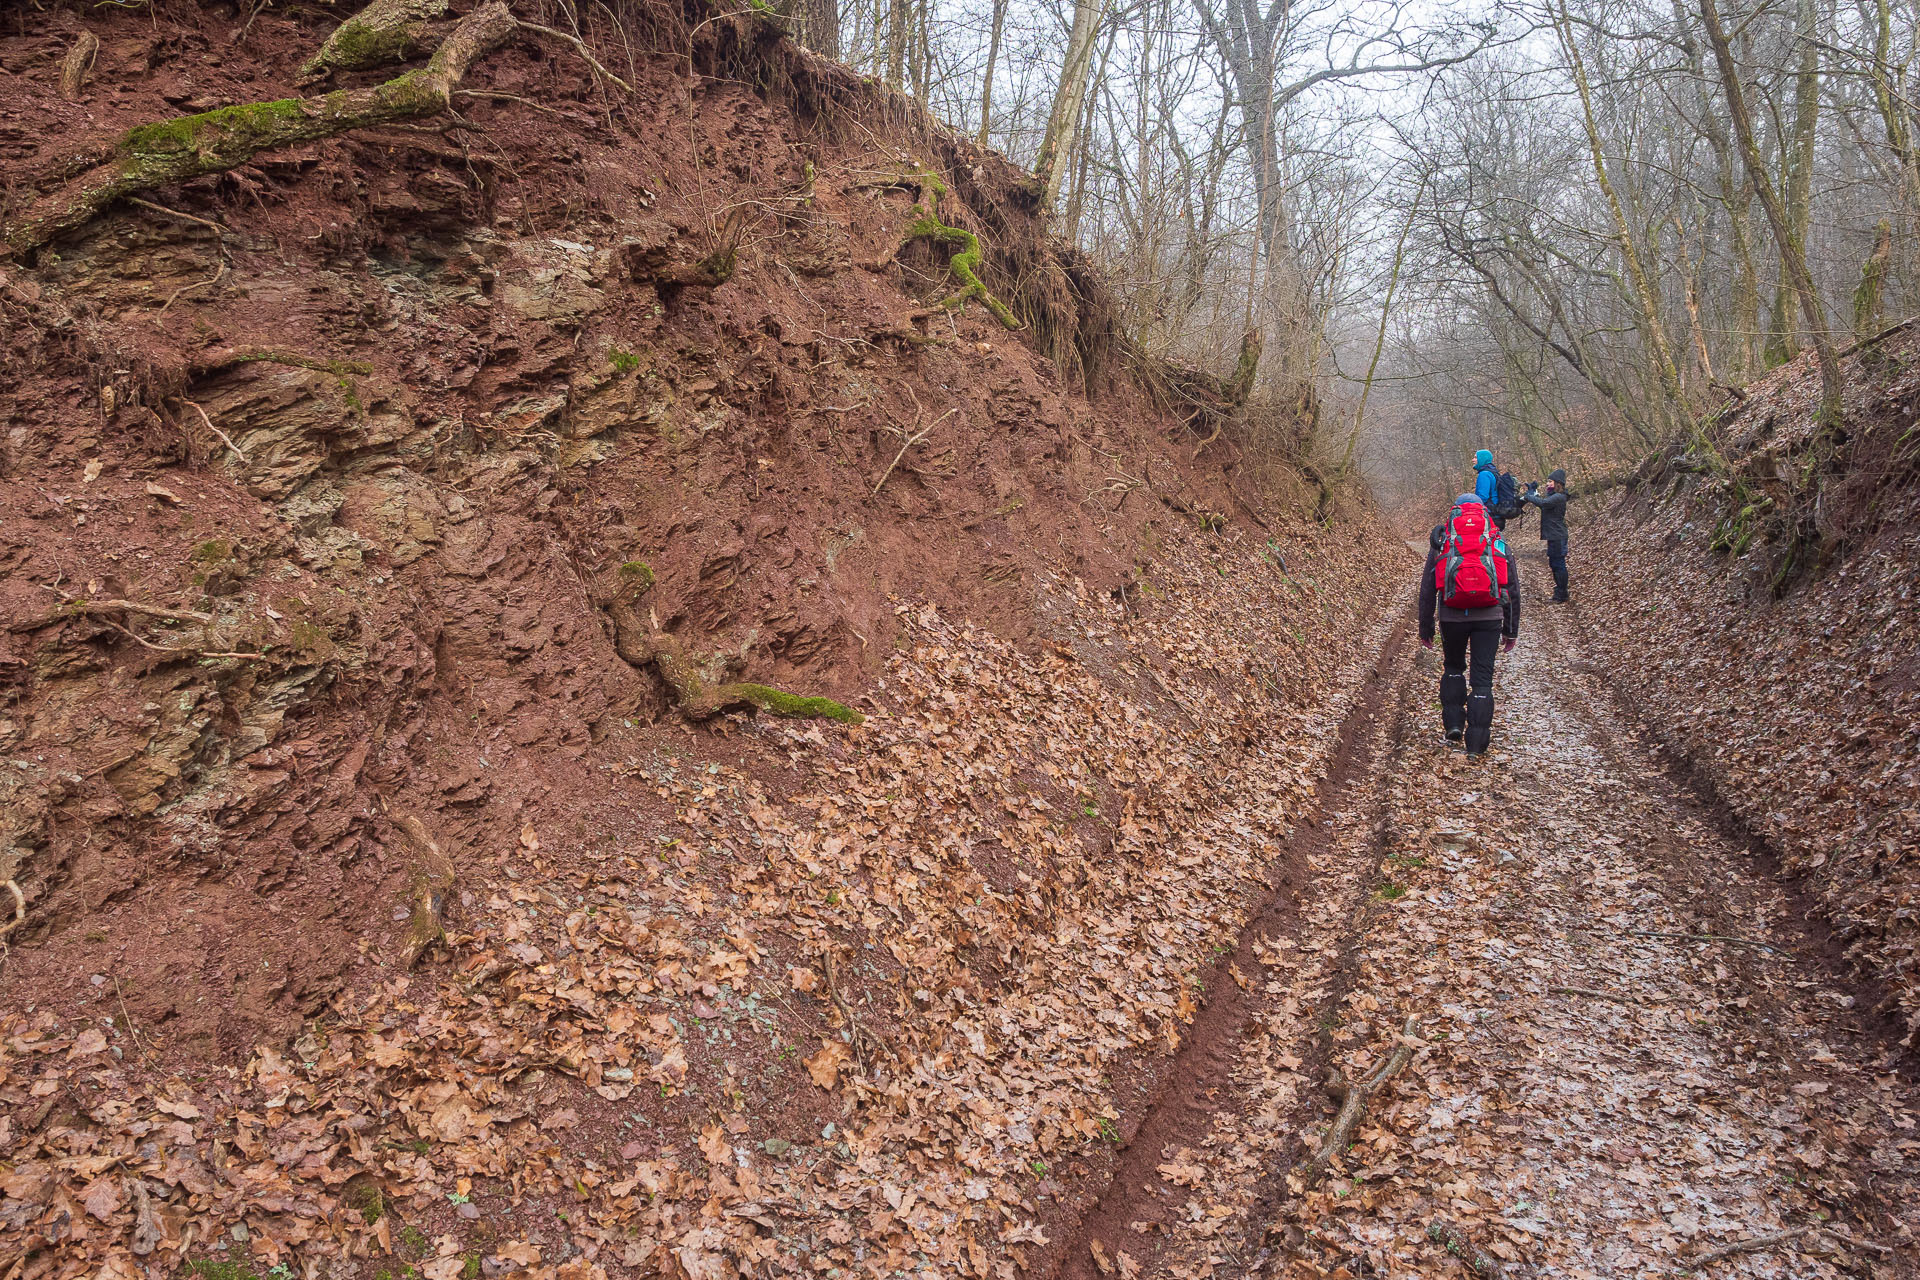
pixel 1486 484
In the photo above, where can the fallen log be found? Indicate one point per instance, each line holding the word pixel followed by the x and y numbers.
pixel 1353 1108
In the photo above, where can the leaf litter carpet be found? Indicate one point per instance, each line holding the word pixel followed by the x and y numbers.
pixel 876 1016
pixel 1603 1086
pixel 1599 1087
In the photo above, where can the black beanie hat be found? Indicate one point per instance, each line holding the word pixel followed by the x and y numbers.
pixel 1558 477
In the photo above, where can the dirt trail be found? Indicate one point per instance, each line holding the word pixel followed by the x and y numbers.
pixel 1605 1085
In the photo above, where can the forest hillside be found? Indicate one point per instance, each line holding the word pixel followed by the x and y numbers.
pixel 639 641
pixel 1755 592
pixel 584 665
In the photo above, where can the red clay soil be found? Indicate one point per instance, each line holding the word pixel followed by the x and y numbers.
pixel 490 418
pixel 316 479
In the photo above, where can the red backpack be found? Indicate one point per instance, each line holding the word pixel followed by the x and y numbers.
pixel 1470 573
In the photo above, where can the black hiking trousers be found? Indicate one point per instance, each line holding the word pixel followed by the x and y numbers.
pixel 1557 561
pixel 1466 684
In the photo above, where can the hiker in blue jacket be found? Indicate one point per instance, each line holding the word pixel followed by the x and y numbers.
pixel 1486 479
pixel 1499 494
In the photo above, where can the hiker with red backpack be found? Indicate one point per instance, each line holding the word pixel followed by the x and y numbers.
pixel 1471 588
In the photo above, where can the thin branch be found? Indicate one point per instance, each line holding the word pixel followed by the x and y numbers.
pixel 1595 993
pixel 225 439
pixel 1707 937
pixel 910 441
pixel 580 46
pixel 1755 1245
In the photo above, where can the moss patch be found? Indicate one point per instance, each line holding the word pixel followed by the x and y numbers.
pixel 781 703
pixel 185 132
pixel 965 263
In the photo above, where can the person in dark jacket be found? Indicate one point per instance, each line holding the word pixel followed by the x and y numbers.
pixel 1470 639
pixel 1553 528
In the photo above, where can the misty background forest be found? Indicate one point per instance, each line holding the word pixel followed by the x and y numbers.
pixel 1561 229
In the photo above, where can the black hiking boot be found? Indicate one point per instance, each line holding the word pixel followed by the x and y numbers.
pixel 1479 712
pixel 1559 597
pixel 1453 704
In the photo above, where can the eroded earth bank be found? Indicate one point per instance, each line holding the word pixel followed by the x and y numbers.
pixel 576 703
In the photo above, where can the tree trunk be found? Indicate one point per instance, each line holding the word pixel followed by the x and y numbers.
pixel 822 29
pixel 1063 122
pixel 1380 337
pixel 993 61
pixel 1832 382
pixel 1737 196
pixel 920 54
pixel 1660 350
pixel 1082 156
pixel 1796 163
pixel 899 25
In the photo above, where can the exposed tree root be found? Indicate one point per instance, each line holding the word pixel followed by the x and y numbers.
pixel 74 608
pixel 19 912
pixel 430 878
pixel 170 151
pixel 78 62
pixel 699 693
pixel 1353 1107
pixel 385 31
pixel 964 264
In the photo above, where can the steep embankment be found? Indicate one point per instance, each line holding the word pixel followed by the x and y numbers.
pixel 1760 610
pixel 358 507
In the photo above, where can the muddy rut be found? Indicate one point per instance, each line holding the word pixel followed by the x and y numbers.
pixel 1630 1058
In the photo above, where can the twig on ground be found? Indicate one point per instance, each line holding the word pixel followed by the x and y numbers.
pixel 1460 1245
pixel 909 442
pixel 1755 1245
pixel 1340 1133
pixel 1847 1237
pixel 1616 996
pixel 580 47
pixel 1707 937
pixel 862 1042
pixel 139 1041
